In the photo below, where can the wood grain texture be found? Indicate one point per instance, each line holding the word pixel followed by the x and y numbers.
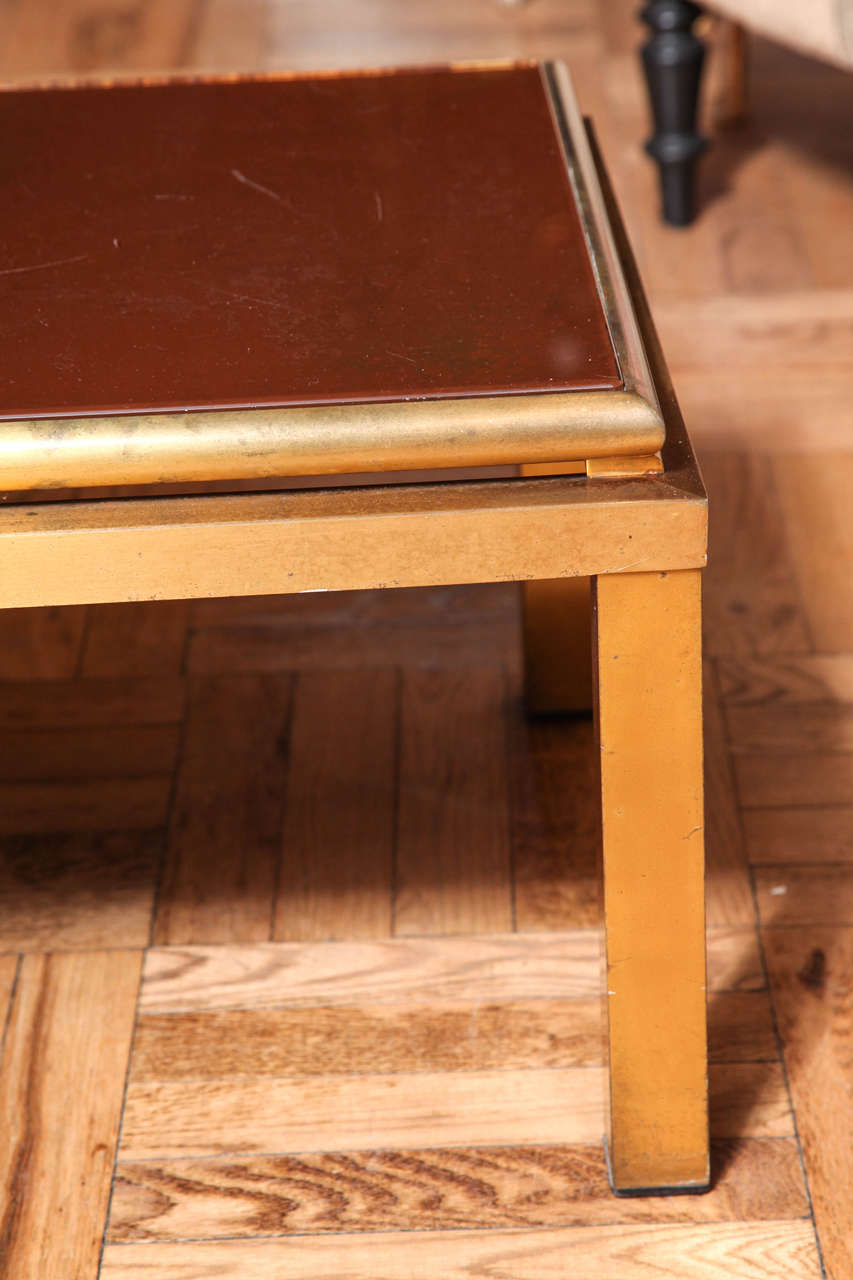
pixel 810 972
pixel 59 755
pixel 82 39
pixel 778 200
pixel 760 1251
pixel 336 863
pixel 433 1190
pixel 785 730
pixel 799 835
pixel 813 778
pixel 215 649
pixel 84 890
pixel 818 893
pixel 792 681
pixel 555 817
pixel 752 601
pixel 814 497
pixel 439 1037
pixel 802 327
pixel 40 644
pixel 799 409
pixel 316 1113
pixel 408 970
pixel 728 891
pixel 453 866
pixel 73 704
pixel 556 623
pixel 108 804
pixel 8 977
pixel 749 1100
pixel 408 609
pixel 734 962
pixel 135 639
pixel 69 1037
pixel 382 1038
pixel 413 971
pixel 219 876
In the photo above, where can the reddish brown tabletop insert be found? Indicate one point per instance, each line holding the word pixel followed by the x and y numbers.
pixel 291 241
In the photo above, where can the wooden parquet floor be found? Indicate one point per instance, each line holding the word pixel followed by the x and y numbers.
pixel 299 965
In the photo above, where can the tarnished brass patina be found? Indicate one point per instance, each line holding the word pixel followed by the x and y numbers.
pixel 324 440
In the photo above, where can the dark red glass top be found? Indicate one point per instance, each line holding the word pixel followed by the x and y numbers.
pixel 275 242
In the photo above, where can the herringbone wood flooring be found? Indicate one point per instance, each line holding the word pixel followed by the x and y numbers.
pixel 298 913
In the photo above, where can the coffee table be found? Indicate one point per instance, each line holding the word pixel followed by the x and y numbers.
pixel 300 333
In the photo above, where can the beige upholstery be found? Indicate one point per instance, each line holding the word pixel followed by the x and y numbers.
pixel 821 27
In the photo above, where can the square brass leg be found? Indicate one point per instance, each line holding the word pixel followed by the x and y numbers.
pixel 557 646
pixel 650 736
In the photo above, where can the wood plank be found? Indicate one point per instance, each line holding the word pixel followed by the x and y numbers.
pixel 82 38
pixel 273 648
pixel 818 893
pixel 335 869
pixel 40 644
pixel 814 494
pixel 452 865
pixel 219 876
pixel 555 822
pixel 792 681
pixel 805 327
pixel 8 977
pixel 752 602
pixel 379 1038
pixel 344 1112
pixel 434 1190
pixel 809 972
pixel 749 1100
pixel 65 754
pixel 136 639
pixel 400 970
pixel 759 239
pixel 803 779
pixel 69 1037
pixel 799 835
pixel 777 729
pixel 405 607
pixel 88 890
pixel 470 1108
pixel 74 704
pixel 734 962
pixel 740 1027
pixel 480 969
pixel 438 1037
pixel 108 804
pixel 765 1251
pixel 800 410
pixel 727 885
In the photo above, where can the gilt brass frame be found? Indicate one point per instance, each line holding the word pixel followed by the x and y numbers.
pixel 244 444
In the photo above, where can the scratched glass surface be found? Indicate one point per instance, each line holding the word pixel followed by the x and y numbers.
pixel 294 241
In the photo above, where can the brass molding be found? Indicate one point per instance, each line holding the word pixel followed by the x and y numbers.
pixel 324 439
pixel 612 284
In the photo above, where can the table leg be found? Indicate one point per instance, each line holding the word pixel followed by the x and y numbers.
pixel 557 646
pixel 648 663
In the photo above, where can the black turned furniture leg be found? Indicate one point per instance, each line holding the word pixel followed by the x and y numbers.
pixel 672 60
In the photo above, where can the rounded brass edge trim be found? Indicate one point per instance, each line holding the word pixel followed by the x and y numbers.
pixel 324 440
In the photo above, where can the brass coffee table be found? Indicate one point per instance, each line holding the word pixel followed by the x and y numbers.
pixel 375 330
